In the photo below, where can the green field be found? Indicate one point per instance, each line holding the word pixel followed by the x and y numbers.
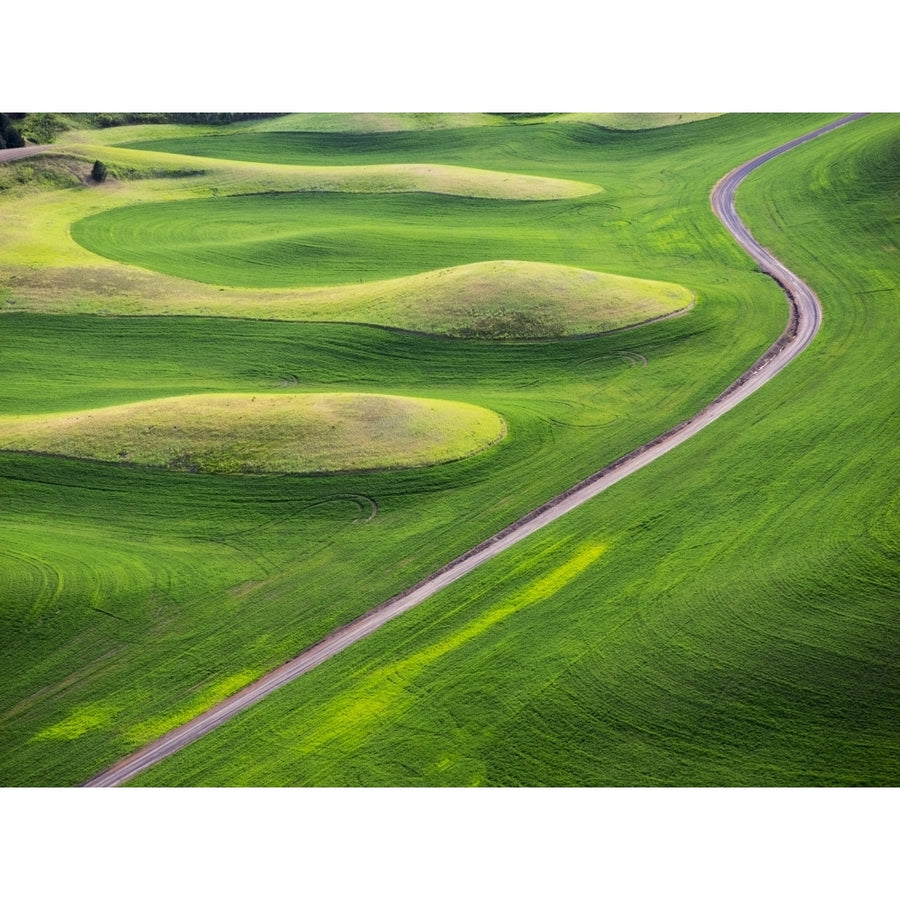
pixel 723 617
pixel 294 240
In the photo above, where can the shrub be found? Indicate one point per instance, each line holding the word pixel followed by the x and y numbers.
pixel 99 171
pixel 9 134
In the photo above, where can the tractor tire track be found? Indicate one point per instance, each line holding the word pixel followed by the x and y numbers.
pixel 803 324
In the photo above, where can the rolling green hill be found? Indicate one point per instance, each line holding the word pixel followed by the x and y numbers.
pixel 725 617
pixel 682 629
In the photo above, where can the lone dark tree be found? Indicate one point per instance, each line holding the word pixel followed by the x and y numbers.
pixel 98 172
pixel 9 134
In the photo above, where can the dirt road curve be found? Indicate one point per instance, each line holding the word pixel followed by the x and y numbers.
pixel 803 324
pixel 23 152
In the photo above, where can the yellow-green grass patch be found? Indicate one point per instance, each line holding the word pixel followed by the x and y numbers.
pixel 349 719
pixel 199 702
pixel 502 299
pixel 264 433
pixel 513 299
pixel 239 176
pixel 636 121
pixel 81 720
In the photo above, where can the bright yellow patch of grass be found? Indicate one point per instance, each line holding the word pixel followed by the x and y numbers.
pixel 78 722
pixel 349 719
pixel 542 589
pixel 264 433
pixel 202 701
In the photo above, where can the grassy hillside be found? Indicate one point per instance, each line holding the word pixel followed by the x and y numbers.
pixel 133 599
pixel 292 433
pixel 727 616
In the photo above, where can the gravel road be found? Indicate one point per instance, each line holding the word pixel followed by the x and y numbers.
pixel 23 152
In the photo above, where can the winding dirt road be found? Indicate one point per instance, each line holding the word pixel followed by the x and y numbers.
pixel 805 317
pixel 13 153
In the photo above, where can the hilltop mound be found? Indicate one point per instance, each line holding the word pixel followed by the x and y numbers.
pixel 264 433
